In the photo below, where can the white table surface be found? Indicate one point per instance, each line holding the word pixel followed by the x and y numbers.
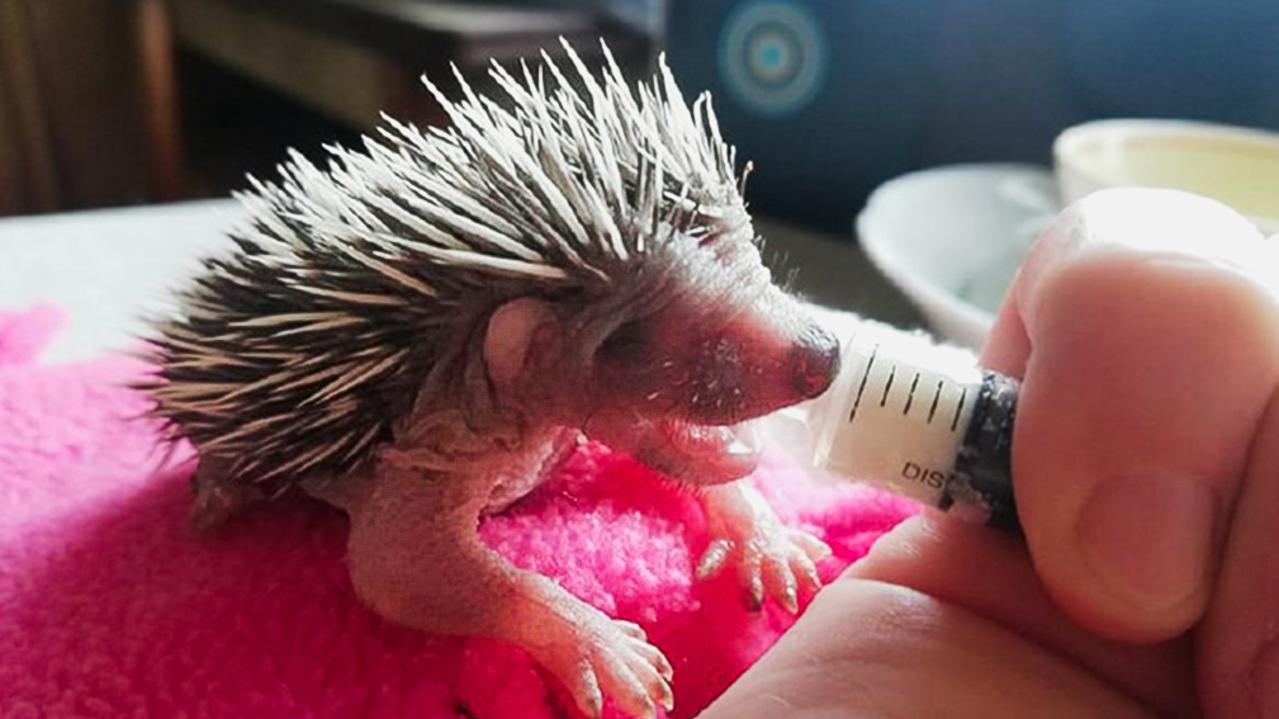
pixel 106 268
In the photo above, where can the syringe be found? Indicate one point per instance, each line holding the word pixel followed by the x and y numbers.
pixel 918 420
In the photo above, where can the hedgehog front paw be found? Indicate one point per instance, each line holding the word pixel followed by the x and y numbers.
pixel 597 657
pixel 773 561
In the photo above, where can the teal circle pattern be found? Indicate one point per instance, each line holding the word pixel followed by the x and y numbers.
pixel 772 56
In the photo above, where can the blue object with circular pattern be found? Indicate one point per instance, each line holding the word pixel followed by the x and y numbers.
pixel 830 98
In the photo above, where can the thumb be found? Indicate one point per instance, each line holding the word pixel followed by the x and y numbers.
pixel 1148 349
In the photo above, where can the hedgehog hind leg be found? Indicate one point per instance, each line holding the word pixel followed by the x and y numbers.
pixel 218 496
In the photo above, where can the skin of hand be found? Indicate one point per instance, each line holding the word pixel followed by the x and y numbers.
pixel 1145 327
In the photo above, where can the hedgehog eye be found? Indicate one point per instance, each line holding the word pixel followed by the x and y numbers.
pixel 625 342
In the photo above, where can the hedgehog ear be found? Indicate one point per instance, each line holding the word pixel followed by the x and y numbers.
pixel 513 328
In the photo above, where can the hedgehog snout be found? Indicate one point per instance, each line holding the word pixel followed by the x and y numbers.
pixel 758 365
pixel 814 361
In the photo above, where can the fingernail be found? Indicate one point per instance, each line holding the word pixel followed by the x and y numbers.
pixel 1265 679
pixel 1149 541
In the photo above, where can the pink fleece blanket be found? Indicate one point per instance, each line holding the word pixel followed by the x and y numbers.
pixel 109 609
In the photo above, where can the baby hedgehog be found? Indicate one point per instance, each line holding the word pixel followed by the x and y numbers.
pixel 420 332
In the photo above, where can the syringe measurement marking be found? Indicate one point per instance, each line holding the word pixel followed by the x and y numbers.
pixel 911 398
pixel 954 422
pixel 862 388
pixel 936 396
pixel 891 374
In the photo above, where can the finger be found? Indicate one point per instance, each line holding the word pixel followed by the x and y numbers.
pixel 1150 349
pixel 867 648
pixel 1239 640
pixel 1007 346
pixel 991 575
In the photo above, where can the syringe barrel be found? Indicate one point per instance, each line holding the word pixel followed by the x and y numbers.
pixel 922 422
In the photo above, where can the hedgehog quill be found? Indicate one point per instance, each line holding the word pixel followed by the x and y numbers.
pixel 420 332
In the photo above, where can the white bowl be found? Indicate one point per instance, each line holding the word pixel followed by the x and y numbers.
pixel 951 239
pixel 1234 165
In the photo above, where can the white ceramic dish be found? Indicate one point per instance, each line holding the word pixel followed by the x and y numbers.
pixel 951 239
pixel 1235 165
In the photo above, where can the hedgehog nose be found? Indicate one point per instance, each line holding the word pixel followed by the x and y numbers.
pixel 816 361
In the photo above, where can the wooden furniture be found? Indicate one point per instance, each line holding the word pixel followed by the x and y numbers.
pixel 354 59
pixel 71 129
pixel 348 61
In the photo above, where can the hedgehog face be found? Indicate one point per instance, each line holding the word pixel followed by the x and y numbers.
pixel 716 364
pixel 708 343
pixel 692 378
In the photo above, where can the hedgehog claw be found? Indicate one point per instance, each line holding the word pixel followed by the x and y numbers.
pixel 713 559
pixel 596 657
pixel 773 562
pixel 612 662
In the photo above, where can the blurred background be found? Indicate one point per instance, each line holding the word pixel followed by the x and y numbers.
pixel 109 103
pixel 116 102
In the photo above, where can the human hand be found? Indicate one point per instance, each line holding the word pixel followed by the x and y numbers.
pixel 1145 326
